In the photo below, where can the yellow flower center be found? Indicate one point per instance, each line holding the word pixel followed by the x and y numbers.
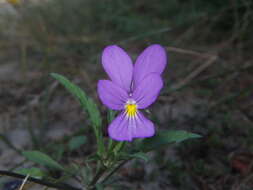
pixel 131 108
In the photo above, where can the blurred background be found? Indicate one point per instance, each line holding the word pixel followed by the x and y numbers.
pixel 208 84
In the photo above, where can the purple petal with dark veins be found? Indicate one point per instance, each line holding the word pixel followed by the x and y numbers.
pixel 125 128
pixel 119 128
pixel 141 127
pixel 147 90
pixel 118 65
pixel 111 95
pixel 152 60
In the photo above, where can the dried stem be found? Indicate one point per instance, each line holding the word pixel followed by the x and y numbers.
pixel 210 60
pixel 60 186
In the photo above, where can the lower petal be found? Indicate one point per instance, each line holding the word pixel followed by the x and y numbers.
pixel 141 127
pixel 125 128
pixel 119 128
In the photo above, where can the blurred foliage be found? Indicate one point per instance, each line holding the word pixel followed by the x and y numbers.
pixel 63 32
pixel 79 26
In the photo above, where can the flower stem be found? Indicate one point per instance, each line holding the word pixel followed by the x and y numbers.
pixel 114 170
pixel 97 177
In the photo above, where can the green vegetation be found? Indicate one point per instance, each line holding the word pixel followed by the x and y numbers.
pixel 214 100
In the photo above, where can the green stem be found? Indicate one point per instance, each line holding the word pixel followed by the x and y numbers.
pixel 119 147
pixel 97 177
pixel 100 142
pixel 110 145
pixel 102 169
pixel 114 170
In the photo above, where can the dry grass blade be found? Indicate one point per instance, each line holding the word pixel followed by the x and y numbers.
pixel 210 60
pixel 24 182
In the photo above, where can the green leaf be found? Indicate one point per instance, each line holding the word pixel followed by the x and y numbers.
pixel 87 103
pixel 86 173
pixel 72 169
pixel 76 142
pixel 93 157
pixel 72 88
pixel 111 115
pixel 166 137
pixel 94 113
pixel 140 155
pixel 118 147
pixel 34 172
pixel 43 159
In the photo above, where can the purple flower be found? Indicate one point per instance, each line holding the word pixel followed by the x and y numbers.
pixel 131 88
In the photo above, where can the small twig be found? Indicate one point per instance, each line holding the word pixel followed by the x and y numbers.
pixel 24 181
pixel 189 52
pixel 60 186
pixel 210 60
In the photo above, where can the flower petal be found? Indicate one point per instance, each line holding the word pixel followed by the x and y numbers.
pixel 112 95
pixel 124 128
pixel 118 65
pixel 119 128
pixel 152 60
pixel 147 90
pixel 141 127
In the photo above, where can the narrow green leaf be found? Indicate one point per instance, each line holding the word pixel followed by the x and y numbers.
pixel 34 172
pixel 77 92
pixel 118 147
pixel 86 173
pixel 87 103
pixel 111 115
pixel 72 169
pixel 76 142
pixel 43 159
pixel 94 113
pixel 140 155
pixel 93 157
pixel 166 137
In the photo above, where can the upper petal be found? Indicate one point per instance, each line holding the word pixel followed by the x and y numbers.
pixel 147 90
pixel 118 65
pixel 125 128
pixel 112 95
pixel 152 60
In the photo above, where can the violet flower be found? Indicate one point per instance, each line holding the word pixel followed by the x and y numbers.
pixel 131 88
